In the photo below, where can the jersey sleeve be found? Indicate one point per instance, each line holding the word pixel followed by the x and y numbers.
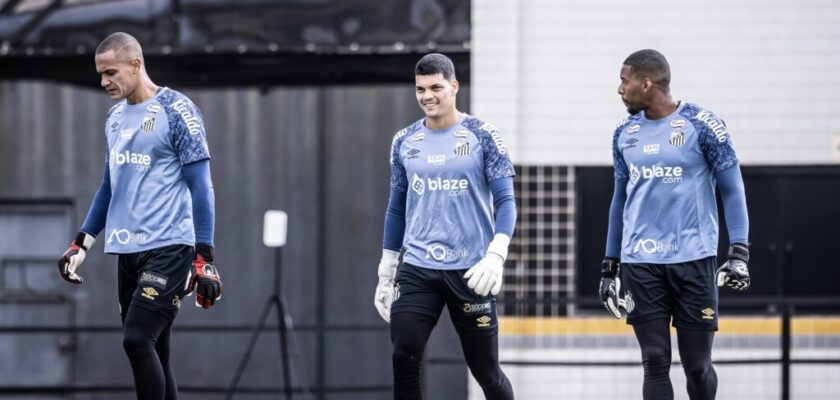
pixel 497 162
pixel 399 180
pixel 619 166
pixel 714 140
pixel 186 129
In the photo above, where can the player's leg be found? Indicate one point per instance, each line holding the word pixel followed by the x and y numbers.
pixel 414 313
pixel 696 355
pixel 141 331
pixel 476 321
pixel 649 303
pixel 696 319
pixel 162 350
pixel 161 277
pixel 654 338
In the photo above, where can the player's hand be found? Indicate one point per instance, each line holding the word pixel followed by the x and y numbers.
pixel 204 278
pixel 73 258
pixel 734 272
pixel 486 277
pixel 610 289
pixel 385 292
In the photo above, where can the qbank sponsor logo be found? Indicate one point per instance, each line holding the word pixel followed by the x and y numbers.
pixel 192 122
pixel 141 162
pixel 439 252
pixel 124 237
pixel 651 246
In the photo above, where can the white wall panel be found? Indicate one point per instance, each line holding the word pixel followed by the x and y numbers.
pixel 545 73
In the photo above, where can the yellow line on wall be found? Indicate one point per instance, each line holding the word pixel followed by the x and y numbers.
pixel 747 326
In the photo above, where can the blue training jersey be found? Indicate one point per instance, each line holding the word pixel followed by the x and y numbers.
pixel 147 144
pixel 449 205
pixel 670 215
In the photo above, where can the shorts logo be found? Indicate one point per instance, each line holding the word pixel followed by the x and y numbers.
pixel 651 246
pixel 629 304
pixel 151 278
pixel 417 185
pixel 462 149
pixel 149 293
pixel 176 301
pixel 396 292
pixel 439 252
pixel 476 308
pixel 633 129
pixel 483 321
pixel 677 139
pixel 708 313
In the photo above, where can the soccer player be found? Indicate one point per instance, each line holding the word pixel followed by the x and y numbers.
pixel 156 204
pixel 449 172
pixel 663 226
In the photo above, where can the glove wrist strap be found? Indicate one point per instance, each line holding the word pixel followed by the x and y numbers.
pixel 205 251
pixel 609 268
pixel 84 241
pixel 739 251
pixel 499 246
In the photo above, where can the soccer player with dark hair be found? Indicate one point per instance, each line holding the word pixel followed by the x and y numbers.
pixel 662 238
pixel 156 205
pixel 449 173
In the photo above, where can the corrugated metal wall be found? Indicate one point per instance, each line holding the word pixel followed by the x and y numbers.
pixel 320 154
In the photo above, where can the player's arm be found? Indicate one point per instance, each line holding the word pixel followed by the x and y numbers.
pixel 74 256
pixel 487 277
pixel 610 285
pixel 734 273
pixel 204 278
pixel 392 237
pixel 609 289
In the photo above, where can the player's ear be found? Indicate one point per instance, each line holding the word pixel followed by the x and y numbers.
pixel 135 65
pixel 455 86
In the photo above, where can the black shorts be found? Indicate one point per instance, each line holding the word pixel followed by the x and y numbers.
pixel 154 279
pixel 425 291
pixel 687 291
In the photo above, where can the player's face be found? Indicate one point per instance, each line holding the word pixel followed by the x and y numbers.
pixel 435 94
pixel 631 91
pixel 118 77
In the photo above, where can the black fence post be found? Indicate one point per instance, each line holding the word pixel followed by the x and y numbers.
pixel 786 334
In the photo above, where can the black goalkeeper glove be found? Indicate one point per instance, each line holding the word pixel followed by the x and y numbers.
pixel 610 288
pixel 734 272
pixel 204 278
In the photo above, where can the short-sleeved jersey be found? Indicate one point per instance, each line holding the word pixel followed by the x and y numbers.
pixel 147 144
pixel 449 206
pixel 670 215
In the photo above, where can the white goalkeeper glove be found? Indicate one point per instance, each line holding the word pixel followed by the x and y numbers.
pixel 385 289
pixel 73 258
pixel 486 276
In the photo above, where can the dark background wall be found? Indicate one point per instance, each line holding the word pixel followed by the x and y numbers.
pixel 319 153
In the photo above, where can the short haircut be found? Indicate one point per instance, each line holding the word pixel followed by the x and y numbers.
pixel 435 63
pixel 651 64
pixel 125 46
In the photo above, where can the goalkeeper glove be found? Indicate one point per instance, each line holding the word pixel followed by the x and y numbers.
pixel 486 276
pixel 74 257
pixel 610 289
pixel 734 272
pixel 385 292
pixel 204 278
